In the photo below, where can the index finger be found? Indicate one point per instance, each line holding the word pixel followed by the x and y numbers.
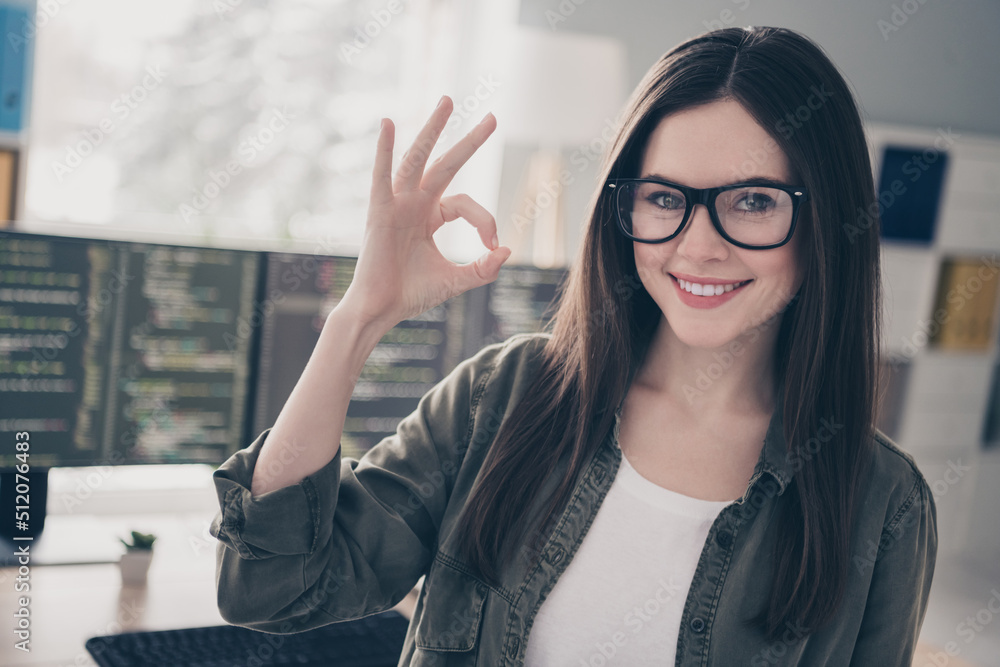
pixel 443 170
pixel 381 192
pixel 412 168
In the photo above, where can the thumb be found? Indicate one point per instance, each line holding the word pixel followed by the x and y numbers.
pixel 485 269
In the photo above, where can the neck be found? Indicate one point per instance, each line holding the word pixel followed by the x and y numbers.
pixel 734 379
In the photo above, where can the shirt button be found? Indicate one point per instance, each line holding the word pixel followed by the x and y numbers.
pixel 599 473
pixel 515 643
pixel 698 625
pixel 724 538
pixel 556 555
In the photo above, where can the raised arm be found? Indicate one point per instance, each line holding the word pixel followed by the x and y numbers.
pixel 400 273
pixel 304 537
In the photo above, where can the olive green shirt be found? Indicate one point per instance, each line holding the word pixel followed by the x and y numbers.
pixel 354 538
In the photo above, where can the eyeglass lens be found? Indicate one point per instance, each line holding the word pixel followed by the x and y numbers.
pixel 754 215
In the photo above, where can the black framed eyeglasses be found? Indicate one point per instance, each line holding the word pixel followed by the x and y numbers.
pixel 757 214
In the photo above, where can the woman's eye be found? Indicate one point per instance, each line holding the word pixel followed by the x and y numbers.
pixel 667 200
pixel 754 202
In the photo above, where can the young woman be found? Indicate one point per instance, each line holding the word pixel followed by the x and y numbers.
pixel 684 470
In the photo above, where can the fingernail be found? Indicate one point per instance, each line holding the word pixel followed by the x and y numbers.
pixel 496 242
pixel 488 115
pixel 440 102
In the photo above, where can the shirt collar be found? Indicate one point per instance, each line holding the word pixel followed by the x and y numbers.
pixel 774 458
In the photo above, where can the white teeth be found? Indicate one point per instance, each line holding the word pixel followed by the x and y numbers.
pixel 708 290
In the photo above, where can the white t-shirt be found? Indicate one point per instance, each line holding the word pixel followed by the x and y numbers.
pixel 620 599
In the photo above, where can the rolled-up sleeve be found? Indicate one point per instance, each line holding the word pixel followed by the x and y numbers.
pixel 285 522
pixel 901 583
pixel 353 538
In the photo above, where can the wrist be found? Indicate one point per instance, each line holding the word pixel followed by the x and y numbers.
pixel 350 320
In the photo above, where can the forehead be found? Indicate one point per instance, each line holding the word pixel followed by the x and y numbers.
pixel 713 144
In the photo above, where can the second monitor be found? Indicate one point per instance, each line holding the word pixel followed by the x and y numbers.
pixel 299 291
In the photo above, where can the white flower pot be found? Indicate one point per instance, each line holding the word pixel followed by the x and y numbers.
pixel 134 566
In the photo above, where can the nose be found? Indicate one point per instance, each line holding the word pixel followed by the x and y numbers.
pixel 699 240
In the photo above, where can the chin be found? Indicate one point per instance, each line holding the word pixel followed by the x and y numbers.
pixel 707 337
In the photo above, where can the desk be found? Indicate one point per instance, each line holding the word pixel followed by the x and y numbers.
pixel 71 603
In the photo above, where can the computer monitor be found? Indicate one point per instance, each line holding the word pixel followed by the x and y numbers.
pixel 521 299
pixel 299 292
pixel 117 353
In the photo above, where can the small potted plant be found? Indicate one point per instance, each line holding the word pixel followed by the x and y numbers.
pixel 135 561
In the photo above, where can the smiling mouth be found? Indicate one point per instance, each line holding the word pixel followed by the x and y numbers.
pixel 708 290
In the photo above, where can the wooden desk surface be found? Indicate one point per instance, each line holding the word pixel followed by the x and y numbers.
pixel 71 603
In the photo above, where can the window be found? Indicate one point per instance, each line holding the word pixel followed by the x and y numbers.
pixel 221 119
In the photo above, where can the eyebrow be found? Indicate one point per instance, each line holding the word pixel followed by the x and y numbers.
pixel 756 180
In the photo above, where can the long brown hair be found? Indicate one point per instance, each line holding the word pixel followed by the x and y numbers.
pixel 828 341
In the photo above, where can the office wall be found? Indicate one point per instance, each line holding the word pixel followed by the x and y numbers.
pixel 936 64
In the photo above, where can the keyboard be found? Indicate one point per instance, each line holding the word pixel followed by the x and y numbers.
pixel 373 641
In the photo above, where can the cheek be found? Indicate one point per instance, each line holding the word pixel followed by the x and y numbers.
pixel 786 276
pixel 796 268
pixel 649 262
pixel 643 271
pixel 655 256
